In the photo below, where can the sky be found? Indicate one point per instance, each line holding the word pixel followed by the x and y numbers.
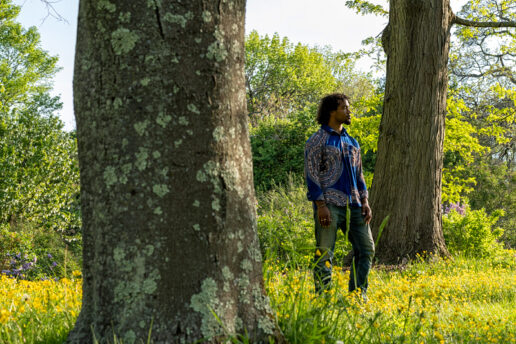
pixel 312 22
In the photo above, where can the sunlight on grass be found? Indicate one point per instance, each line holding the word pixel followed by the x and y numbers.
pixel 446 301
pixel 38 312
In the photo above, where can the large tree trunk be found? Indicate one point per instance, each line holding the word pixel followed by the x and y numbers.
pixel 407 180
pixel 169 223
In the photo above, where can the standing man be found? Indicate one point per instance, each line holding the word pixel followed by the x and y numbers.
pixel 333 170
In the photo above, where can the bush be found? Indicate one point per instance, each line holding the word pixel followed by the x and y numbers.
pixel 469 232
pixel 39 172
pixel 278 148
pixel 32 254
pixel 495 189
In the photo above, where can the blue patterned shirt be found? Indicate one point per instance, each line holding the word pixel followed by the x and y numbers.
pixel 333 168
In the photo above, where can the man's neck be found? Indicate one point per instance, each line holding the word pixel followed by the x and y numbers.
pixel 335 126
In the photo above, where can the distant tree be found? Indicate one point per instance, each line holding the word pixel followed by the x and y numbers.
pixel 26 70
pixel 282 78
pixel 485 54
pixel 39 178
pixel 170 247
pixel 482 74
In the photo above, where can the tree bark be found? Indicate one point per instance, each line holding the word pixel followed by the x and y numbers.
pixel 407 180
pixel 167 196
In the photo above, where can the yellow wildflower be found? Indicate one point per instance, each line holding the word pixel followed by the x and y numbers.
pixel 4 316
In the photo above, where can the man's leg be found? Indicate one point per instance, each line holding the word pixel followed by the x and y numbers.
pixel 361 239
pixel 325 245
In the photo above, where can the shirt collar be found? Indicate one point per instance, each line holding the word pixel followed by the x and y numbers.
pixel 333 131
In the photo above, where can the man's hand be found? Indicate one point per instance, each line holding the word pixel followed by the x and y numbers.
pixel 323 214
pixel 366 211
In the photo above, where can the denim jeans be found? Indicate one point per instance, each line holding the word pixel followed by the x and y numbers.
pixel 361 240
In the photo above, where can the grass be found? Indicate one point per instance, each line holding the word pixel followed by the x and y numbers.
pixel 444 301
pixel 38 312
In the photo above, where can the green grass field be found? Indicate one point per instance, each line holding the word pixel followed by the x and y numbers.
pixel 445 301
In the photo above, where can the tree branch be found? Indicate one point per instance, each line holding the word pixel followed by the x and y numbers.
pixel 466 22
pixel 51 11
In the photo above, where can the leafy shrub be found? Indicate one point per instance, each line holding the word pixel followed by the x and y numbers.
pixel 470 232
pixel 31 253
pixel 39 172
pixel 495 189
pixel 278 149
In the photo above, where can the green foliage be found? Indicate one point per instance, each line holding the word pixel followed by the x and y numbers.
pixel 285 225
pixel 495 117
pixel 25 69
pixel 360 87
pixel 13 243
pixel 482 66
pixel 278 147
pixel 367 7
pixel 461 146
pixel 33 253
pixel 39 177
pixel 486 122
pixel 39 172
pixel 472 233
pixel 496 189
pixel 483 56
pixel 282 77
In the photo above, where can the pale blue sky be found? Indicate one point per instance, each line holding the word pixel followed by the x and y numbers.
pixel 321 22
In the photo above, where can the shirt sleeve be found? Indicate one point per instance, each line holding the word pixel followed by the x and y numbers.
pixel 313 156
pixel 361 184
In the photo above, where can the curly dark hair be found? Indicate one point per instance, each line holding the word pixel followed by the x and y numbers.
pixel 328 104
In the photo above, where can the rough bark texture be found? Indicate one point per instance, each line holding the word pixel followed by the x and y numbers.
pixel 169 223
pixel 407 180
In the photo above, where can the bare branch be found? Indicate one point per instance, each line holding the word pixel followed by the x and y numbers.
pixel 499 72
pixel 51 11
pixel 466 22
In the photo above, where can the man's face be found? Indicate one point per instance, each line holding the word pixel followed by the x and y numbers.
pixel 342 114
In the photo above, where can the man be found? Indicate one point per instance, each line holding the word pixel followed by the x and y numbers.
pixel 333 170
